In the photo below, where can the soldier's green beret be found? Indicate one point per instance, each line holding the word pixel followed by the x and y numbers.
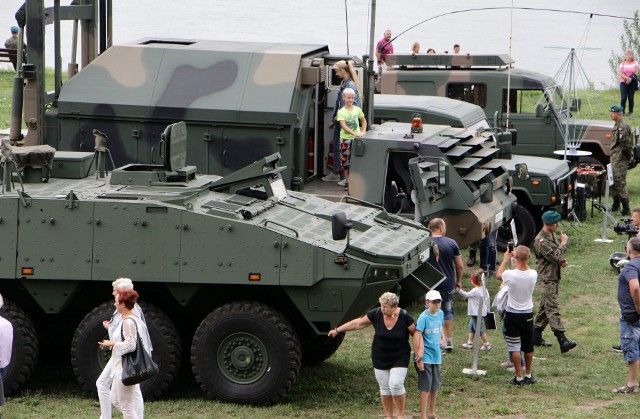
pixel 551 217
pixel 616 108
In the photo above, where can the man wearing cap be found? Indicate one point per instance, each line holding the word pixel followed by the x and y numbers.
pixel 621 153
pixel 450 263
pixel 12 43
pixel 550 260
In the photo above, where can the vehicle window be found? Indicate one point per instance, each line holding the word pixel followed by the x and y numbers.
pixel 475 93
pixel 522 100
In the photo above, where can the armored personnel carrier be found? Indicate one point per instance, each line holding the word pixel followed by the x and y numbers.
pixel 539 183
pixel 537 110
pixel 251 274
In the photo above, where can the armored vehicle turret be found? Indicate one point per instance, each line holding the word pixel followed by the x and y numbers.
pixel 251 274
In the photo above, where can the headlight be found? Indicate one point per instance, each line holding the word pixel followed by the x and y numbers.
pixel 382 275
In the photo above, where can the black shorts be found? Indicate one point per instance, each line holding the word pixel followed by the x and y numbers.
pixel 519 331
pixel 429 379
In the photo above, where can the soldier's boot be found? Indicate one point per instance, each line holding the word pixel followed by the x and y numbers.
pixel 538 340
pixel 625 208
pixel 565 344
pixel 472 256
pixel 616 205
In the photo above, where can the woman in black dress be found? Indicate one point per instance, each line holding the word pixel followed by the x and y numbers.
pixel 390 349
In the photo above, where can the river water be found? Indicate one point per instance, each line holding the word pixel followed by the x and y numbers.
pixel 540 39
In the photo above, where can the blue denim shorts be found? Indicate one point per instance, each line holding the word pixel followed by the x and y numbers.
pixel 447 305
pixel 630 340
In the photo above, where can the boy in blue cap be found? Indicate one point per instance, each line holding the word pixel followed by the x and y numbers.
pixel 550 260
pixel 621 154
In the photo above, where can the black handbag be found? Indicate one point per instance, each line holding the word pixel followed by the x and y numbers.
pixel 137 366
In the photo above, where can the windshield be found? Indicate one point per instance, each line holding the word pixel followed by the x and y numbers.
pixel 553 97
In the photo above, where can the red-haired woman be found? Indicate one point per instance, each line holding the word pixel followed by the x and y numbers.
pixel 125 339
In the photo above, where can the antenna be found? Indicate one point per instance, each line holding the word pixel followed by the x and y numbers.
pixel 562 97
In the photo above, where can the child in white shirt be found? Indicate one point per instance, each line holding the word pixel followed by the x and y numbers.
pixel 473 307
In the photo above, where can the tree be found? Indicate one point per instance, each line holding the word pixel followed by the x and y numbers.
pixel 630 39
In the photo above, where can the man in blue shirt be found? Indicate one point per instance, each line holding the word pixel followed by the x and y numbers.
pixel 450 264
pixel 629 302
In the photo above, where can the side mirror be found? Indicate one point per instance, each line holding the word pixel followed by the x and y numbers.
pixel 575 106
pixel 539 110
pixel 340 226
pixel 443 176
pixel 504 144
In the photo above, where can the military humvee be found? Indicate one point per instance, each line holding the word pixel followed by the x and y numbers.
pixel 539 183
pixel 537 110
pixel 252 276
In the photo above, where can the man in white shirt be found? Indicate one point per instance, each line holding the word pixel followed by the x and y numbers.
pixel 518 320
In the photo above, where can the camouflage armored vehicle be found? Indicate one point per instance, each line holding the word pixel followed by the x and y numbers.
pixel 241 101
pixel 539 183
pixel 250 275
pixel 537 110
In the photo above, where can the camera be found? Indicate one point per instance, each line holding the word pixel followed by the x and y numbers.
pixel 510 246
pixel 625 227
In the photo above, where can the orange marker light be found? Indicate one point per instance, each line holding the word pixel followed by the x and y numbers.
pixel 255 277
pixel 553 199
pixel 27 271
pixel 536 182
pixel 416 123
pixel 607 136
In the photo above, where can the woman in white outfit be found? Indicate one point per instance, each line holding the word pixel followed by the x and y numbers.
pixel 103 384
pixel 125 341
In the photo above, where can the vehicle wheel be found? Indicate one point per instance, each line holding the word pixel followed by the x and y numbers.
pixel 24 354
pixel 245 352
pixel 525 226
pixel 88 360
pixel 320 348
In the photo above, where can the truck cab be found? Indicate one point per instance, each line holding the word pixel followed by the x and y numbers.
pixel 537 109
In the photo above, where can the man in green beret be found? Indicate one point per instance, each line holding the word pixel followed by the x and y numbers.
pixel 550 260
pixel 621 153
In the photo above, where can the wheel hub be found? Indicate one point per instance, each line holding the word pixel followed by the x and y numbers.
pixel 242 358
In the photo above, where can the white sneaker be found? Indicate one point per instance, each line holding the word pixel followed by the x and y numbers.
pixel 331 177
pixel 343 182
pixel 468 345
pixel 449 346
pixel 485 347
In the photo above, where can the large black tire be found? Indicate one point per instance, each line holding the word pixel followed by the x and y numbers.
pixel 246 352
pixel 525 226
pixel 24 354
pixel 88 359
pixel 319 349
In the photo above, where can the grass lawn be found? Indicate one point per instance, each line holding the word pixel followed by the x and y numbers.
pixel 573 385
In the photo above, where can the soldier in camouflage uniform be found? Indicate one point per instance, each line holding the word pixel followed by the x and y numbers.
pixel 621 153
pixel 550 260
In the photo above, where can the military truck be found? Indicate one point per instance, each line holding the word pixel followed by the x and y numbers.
pixel 251 275
pixel 241 102
pixel 537 109
pixel 539 183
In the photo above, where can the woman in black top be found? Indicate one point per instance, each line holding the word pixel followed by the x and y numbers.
pixel 390 349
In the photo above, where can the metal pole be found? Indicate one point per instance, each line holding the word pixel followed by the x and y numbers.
pixel 372 47
pixel 58 57
pixel 566 125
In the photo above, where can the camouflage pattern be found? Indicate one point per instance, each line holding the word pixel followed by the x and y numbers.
pixel 549 256
pixel 482 80
pixel 621 153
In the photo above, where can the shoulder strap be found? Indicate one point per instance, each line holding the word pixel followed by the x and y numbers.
pixel 122 327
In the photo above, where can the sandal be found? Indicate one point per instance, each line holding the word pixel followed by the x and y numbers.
pixel 626 389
